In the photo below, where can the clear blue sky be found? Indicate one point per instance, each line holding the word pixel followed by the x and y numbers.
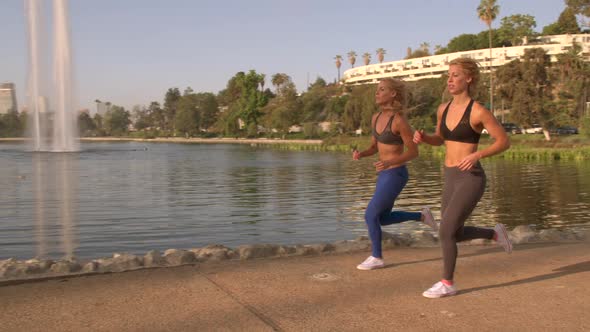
pixel 130 52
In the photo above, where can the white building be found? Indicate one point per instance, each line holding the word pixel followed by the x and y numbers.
pixel 7 98
pixel 436 65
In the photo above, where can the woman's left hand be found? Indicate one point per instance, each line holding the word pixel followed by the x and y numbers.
pixel 468 162
pixel 381 165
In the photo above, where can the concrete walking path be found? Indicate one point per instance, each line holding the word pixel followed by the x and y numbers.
pixel 539 287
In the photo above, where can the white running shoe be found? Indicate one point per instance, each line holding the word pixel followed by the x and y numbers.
pixel 502 237
pixel 429 219
pixel 439 290
pixel 371 263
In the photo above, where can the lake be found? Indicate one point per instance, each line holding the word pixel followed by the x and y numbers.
pixel 134 197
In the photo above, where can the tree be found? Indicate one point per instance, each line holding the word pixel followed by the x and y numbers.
pixel 187 120
pixel 487 12
pixel 338 59
pixel 515 28
pixel 566 23
pixel 380 54
pixel 366 58
pixel 279 80
pixel 99 123
pixel 208 109
pixel 116 121
pixel 251 99
pixel 581 7
pixel 570 74
pixel 532 100
pixel 351 58
pixel 170 104
pixel 85 124
pixel 463 42
pixel 421 52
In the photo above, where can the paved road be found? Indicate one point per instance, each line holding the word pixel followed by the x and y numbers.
pixel 537 288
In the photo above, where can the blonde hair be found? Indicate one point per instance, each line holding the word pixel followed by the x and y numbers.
pixel 401 93
pixel 470 68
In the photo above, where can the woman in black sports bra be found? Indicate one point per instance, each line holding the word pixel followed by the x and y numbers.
pixel 392 139
pixel 459 126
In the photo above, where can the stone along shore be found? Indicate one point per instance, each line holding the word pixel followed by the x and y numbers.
pixel 14 270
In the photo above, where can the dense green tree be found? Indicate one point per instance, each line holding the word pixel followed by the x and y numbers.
pixel 283 111
pixel 314 101
pixel 281 81
pixel 567 22
pixel 515 28
pixel 99 124
pixel 463 42
pixel 423 99
pixel 116 121
pixel 359 109
pixel 171 100
pixel 242 100
pixel 12 124
pixel 531 102
pixel 335 108
pixel 157 116
pixel 208 109
pixel 86 125
pixel 581 7
pixel 141 118
pixel 188 119
pixel 570 74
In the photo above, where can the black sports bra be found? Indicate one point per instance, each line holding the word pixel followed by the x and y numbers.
pixel 463 131
pixel 387 136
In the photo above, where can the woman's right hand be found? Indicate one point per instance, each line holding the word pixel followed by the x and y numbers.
pixel 356 155
pixel 418 136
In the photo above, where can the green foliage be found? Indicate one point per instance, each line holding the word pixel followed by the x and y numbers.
pixel 310 130
pixel 12 124
pixel 581 7
pixel 116 121
pixel 86 125
pixel 515 27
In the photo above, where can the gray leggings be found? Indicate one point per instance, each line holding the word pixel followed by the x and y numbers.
pixel 461 192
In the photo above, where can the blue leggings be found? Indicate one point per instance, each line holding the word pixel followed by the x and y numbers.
pixel 379 213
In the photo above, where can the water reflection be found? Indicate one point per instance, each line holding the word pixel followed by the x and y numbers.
pixel 55 200
pixel 131 197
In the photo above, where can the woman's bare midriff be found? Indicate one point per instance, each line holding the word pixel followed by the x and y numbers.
pixel 457 151
pixel 388 152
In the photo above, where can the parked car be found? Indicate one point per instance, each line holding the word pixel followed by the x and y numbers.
pixel 535 129
pixel 566 130
pixel 511 128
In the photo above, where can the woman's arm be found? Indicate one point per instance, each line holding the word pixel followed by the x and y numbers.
pixel 489 122
pixel 484 118
pixel 434 139
pixel 372 149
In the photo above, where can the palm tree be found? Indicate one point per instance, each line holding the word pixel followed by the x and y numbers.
pixel 352 58
pixel 278 80
pixel 424 46
pixel 380 54
pixel 262 78
pixel 487 12
pixel 367 58
pixel 338 59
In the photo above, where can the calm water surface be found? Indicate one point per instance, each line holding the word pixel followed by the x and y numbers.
pixel 134 197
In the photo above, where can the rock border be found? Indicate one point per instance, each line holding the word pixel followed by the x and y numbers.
pixel 32 269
